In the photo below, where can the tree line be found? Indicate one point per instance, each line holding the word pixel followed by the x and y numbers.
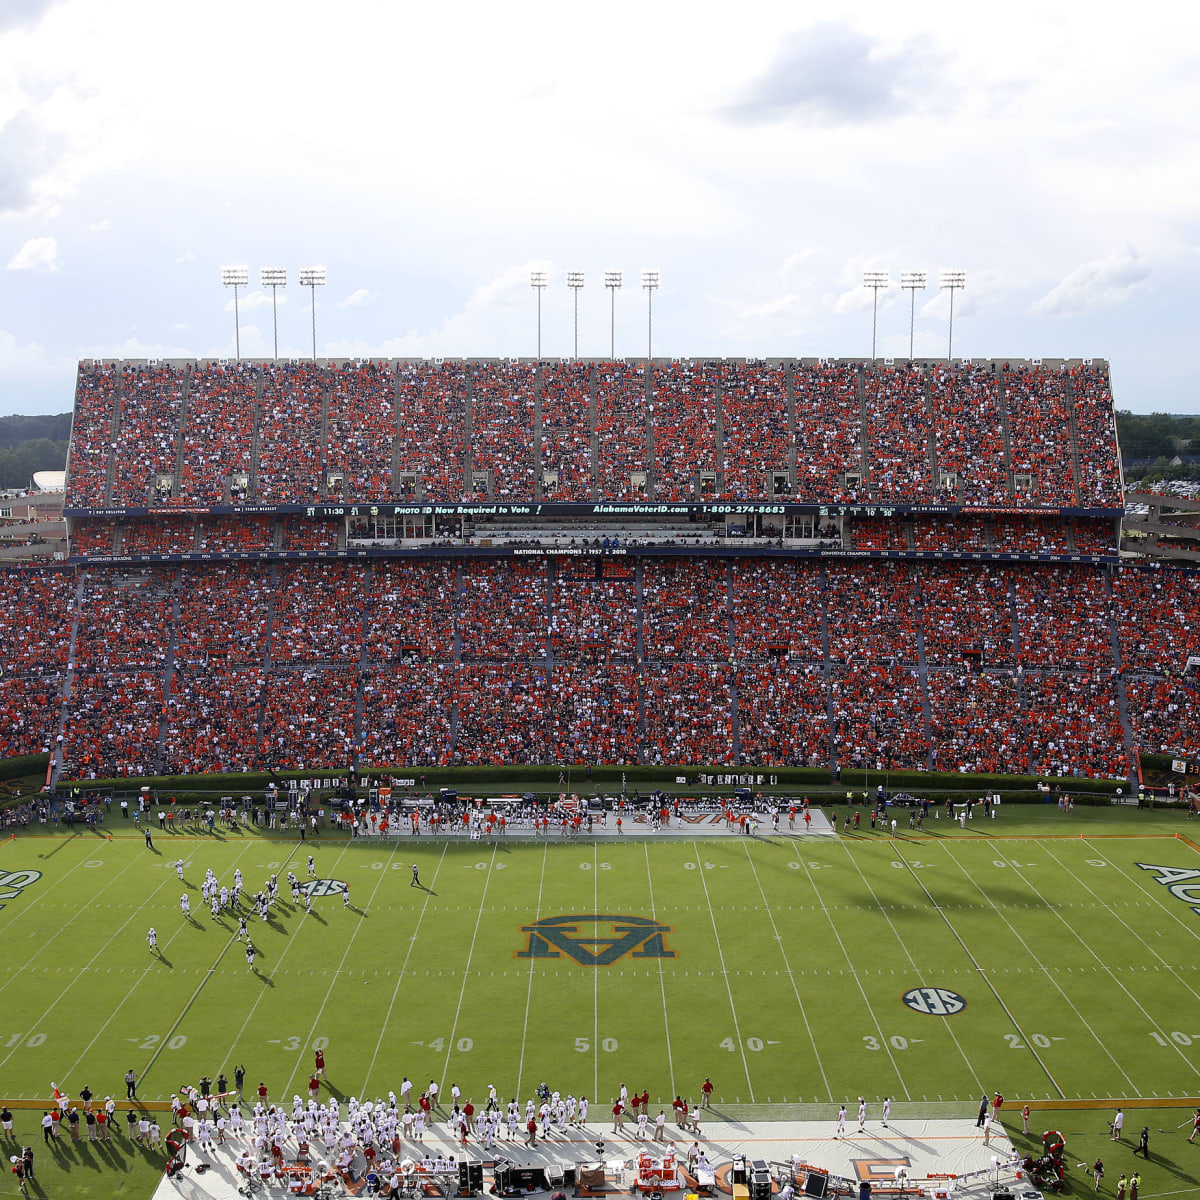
pixel 29 444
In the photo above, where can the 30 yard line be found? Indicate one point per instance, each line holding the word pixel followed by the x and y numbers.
pixel 287 946
pixel 412 941
pixel 724 973
pixel 946 1025
pixel 787 967
pixel 383 874
pixel 1044 969
pixel 532 965
pixel 662 979
pixel 467 969
pixel 883 1041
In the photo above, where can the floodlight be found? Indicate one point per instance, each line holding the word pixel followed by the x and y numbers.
pixel 575 283
pixel 612 280
pixel 273 278
pixel 650 281
pixel 236 277
pixel 313 278
pixel 875 280
pixel 954 281
pixel 912 282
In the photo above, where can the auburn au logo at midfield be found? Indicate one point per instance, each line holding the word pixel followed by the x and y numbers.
pixel 596 940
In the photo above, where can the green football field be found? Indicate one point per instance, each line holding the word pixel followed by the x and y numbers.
pixel 791 970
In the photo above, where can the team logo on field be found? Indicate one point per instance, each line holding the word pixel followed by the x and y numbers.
pixel 12 883
pixel 935 1002
pixel 323 887
pixel 596 940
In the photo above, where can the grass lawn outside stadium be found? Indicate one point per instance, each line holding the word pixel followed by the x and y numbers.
pixel 1051 957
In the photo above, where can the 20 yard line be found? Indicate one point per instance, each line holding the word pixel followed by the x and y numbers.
pixel 724 973
pixel 412 941
pixel 532 965
pixel 467 969
pixel 662 979
pixel 787 967
pixel 1041 966
pixel 342 961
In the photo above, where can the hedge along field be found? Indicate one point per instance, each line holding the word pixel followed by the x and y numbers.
pixel 792 970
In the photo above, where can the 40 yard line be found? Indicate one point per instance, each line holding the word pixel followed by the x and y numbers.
pixel 724 973
pixel 412 941
pixel 662 979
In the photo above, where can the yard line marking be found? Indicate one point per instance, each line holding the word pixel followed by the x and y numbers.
pixel 276 971
pixel 532 963
pixel 984 977
pixel 1111 974
pixel 662 979
pixel 81 972
pixel 788 966
pixel 467 969
pixel 412 941
pixel 119 1010
pixel 721 955
pixel 871 1008
pixel 342 961
pixel 596 980
pixel 77 912
pixel 1046 972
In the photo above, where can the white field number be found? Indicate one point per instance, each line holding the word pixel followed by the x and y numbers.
pixel 609 1045
pixel 464 1045
pixel 751 1043
pixel 151 1041
pixel 1179 1038
pixel 33 1040
pixel 814 866
pixel 1038 1039
pixel 587 866
pixel 895 1041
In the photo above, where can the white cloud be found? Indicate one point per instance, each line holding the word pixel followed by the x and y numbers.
pixel 188 256
pixel 358 299
pixel 249 301
pixel 100 226
pixel 38 254
pixel 1092 286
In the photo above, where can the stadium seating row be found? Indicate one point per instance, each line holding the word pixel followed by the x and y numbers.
pixel 184 434
pixel 997 667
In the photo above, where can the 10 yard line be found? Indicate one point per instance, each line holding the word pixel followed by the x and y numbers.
pixel 412 941
pixel 724 973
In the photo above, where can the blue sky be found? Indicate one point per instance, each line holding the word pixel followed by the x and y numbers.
pixel 430 156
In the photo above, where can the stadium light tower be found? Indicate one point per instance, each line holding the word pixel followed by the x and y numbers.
pixel 876 281
pixel 575 283
pixel 650 281
pixel 273 278
pixel 537 281
pixel 313 278
pixel 912 282
pixel 612 281
pixel 236 277
pixel 955 281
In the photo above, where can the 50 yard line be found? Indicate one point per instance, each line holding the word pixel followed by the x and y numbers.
pixel 662 979
pixel 532 964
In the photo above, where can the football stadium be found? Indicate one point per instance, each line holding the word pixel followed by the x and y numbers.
pixel 723 776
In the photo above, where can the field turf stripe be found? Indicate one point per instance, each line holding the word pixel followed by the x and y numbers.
pixel 662 979
pixel 532 963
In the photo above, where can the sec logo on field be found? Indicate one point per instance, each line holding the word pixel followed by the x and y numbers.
pixel 935 1002
pixel 323 887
